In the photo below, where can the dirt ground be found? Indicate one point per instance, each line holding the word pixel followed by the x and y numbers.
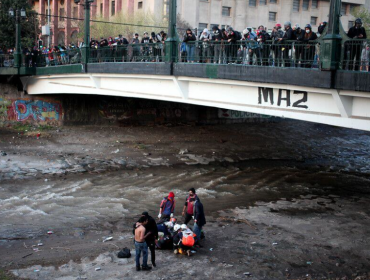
pixel 286 200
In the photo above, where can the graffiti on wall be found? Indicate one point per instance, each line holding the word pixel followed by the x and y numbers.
pixel 37 110
pixel 30 110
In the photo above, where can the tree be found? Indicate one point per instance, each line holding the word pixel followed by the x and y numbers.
pixel 364 14
pixel 29 26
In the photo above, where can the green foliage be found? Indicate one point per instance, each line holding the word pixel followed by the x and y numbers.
pixel 29 27
pixel 364 14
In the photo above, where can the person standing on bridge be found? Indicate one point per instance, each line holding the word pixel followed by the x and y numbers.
pixel 167 208
pixel 357 33
pixel 190 39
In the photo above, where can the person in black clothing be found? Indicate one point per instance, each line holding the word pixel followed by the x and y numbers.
pixel 146 41
pixel 288 36
pixel 190 39
pixel 298 34
pixel 151 234
pixel 357 33
pixel 322 26
pixel 262 38
pixel 308 46
pixel 199 219
pixel 217 37
pixel 232 48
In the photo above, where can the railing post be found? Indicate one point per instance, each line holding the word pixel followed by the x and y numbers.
pixel 331 48
pixel 172 40
pixel 18 48
pixel 86 49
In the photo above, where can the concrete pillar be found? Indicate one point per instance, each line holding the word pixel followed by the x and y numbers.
pixel 118 6
pixel 94 8
pixel 55 21
pixel 42 10
pixel 106 9
pixel 67 30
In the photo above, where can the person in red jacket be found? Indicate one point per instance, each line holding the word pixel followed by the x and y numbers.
pixel 167 207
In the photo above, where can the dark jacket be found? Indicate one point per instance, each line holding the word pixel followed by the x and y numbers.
pixel 199 213
pixel 298 34
pixel 354 32
pixel 217 34
pixel 189 38
pixel 289 34
pixel 309 37
pixel 151 227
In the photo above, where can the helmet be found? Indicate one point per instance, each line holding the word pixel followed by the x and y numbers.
pixel 358 21
pixel 184 227
pixel 278 25
pixel 169 224
pixel 176 227
pixel 308 26
pixel 245 31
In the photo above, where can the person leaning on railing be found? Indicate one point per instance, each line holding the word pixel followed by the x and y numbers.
pixel 288 36
pixel 262 38
pixel 299 33
pixel 146 41
pixel 206 46
pixel 217 51
pixel 190 39
pixel 276 36
pixel 356 32
pixel 308 46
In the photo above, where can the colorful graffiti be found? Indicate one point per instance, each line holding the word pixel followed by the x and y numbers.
pixel 13 110
pixel 37 110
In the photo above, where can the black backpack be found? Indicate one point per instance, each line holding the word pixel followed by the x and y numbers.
pixel 238 36
pixel 124 253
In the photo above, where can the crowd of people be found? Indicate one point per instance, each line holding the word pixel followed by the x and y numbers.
pixel 167 233
pixel 284 46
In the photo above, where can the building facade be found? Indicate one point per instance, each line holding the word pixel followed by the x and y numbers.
pixel 198 13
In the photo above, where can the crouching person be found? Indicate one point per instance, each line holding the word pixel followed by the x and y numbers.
pixel 140 244
pixel 183 240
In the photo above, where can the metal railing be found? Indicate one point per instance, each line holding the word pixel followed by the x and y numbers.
pixel 151 52
pixel 250 52
pixel 355 55
pixel 54 58
pixel 6 60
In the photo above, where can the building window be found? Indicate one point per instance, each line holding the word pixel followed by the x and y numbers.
pixel 315 4
pixel 140 5
pixel 202 26
pixel 313 20
pixel 252 3
pixel 113 8
pixel 296 5
pixel 343 9
pixel 273 1
pixel 305 5
pixel 75 12
pixel 61 14
pixel 272 16
pixel 263 2
pixel 350 24
pixel 101 9
pixel 62 2
pixel 226 11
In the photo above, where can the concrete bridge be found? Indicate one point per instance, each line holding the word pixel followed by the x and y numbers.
pixel 340 98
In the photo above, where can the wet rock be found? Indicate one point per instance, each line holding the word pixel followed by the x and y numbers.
pixel 2 153
pixel 183 151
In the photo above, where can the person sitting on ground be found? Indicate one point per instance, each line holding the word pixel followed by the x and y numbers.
pixel 140 244
pixel 167 207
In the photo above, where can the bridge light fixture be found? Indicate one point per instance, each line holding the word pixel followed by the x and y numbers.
pixel 77 1
pixel 11 12
pixel 23 13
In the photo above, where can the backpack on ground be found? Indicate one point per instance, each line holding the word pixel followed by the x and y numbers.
pixel 124 253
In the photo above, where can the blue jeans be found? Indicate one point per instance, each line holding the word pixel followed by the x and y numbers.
pixel 190 52
pixel 197 230
pixel 141 247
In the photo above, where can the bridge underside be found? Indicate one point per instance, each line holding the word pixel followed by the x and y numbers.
pixel 343 108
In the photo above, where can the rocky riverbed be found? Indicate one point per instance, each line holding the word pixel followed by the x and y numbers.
pixel 286 200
